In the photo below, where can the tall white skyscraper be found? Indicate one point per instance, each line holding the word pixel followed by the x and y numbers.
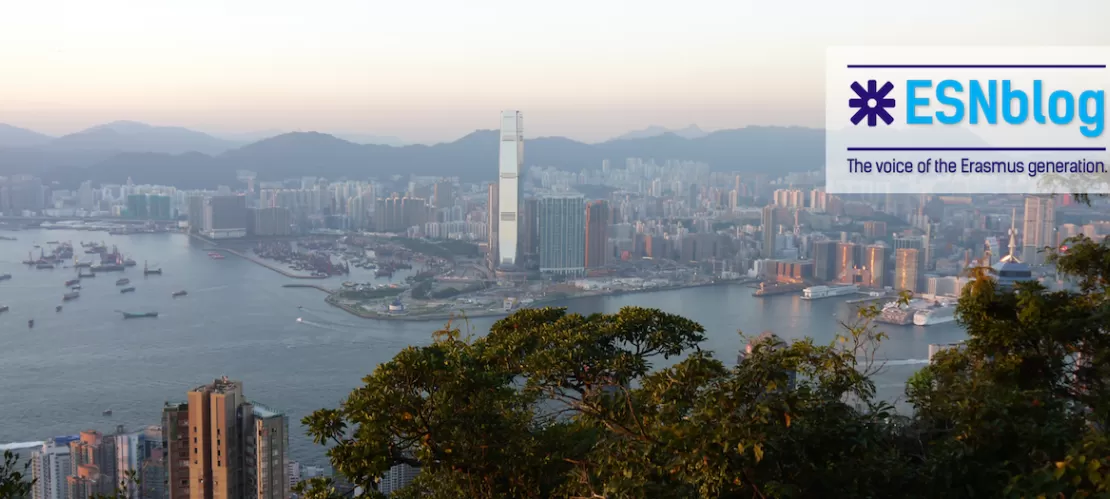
pixel 510 161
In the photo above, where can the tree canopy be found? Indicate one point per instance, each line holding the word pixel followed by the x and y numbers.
pixel 555 404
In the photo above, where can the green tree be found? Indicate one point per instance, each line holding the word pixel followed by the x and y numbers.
pixel 14 479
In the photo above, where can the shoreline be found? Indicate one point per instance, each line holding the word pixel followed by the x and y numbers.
pixel 462 314
pixel 274 268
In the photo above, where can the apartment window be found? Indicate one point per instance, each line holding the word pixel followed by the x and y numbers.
pixel 218 463
pixel 194 440
pixel 195 451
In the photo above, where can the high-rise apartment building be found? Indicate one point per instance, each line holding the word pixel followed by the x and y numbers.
pixel 238 449
pixel 510 162
pixel 1039 229
pixel 50 466
pixel 849 258
pixel 769 229
pixel 176 442
pixel 562 221
pixel 597 233
pixel 92 460
pixel 529 229
pixel 874 229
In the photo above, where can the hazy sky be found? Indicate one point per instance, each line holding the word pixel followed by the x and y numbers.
pixel 435 70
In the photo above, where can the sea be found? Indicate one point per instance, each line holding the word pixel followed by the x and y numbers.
pixel 237 320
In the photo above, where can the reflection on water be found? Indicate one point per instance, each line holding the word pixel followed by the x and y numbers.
pixel 238 321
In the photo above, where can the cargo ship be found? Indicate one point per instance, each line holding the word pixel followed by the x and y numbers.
pixel 72 295
pixel 129 315
pixel 818 292
pixel 123 281
pixel 937 314
pixel 127 290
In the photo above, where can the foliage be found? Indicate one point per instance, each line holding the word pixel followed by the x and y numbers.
pixel 420 291
pixel 15 481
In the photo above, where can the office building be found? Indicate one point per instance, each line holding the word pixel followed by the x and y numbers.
pixel 50 466
pixel 510 162
pixel 529 229
pixel 562 223
pixel 493 215
pixel 906 265
pixel 824 260
pixel 195 214
pixel 769 227
pixel 873 273
pixel 597 233
pixel 1039 229
pixel 225 217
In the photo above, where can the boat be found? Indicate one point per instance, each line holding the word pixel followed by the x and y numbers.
pixel 81 265
pixel 939 314
pixel 300 319
pixel 75 288
pixel 72 295
pixel 6 238
pixel 71 282
pixel 127 289
pixel 818 292
pixel 123 281
pixel 179 293
pixel 52 242
pixel 897 313
pixel 107 267
pixel 44 266
pixel 129 315
pixel 129 263
pixel 58 308
pixel 215 256
pixel 85 276
pixel 4 308
pixel 107 412
pixel 4 277
pixel 31 323
pixel 150 271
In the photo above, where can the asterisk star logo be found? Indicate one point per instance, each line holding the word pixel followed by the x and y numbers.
pixel 871 102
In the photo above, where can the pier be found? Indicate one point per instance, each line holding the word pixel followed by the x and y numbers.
pixel 313 286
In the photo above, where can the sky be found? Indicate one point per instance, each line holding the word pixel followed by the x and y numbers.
pixel 435 70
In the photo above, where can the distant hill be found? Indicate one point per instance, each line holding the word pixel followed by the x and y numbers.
pixel 690 132
pixel 472 158
pixel 11 136
pixel 130 136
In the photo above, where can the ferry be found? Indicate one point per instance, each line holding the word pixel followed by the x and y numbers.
pixel 123 281
pixel 72 295
pixel 939 314
pixel 127 290
pixel 818 292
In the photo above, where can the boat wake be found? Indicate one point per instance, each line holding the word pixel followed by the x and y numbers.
pixel 213 288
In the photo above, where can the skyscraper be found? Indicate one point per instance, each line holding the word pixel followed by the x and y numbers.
pixel 874 266
pixel 1039 229
pixel 824 260
pixel 510 161
pixel 49 466
pixel 562 234
pixel 597 233
pixel 768 231
pixel 494 215
pixel 239 448
pixel 906 265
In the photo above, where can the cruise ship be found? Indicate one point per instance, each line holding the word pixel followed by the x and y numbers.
pixel 818 292
pixel 939 314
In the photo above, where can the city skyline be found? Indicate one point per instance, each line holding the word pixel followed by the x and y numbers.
pixel 585 71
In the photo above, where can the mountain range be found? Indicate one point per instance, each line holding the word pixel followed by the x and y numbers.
pixel 188 159
pixel 690 132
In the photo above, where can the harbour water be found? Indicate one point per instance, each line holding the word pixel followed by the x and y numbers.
pixel 238 320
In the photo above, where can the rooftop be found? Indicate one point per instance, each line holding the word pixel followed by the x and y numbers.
pixel 263 411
